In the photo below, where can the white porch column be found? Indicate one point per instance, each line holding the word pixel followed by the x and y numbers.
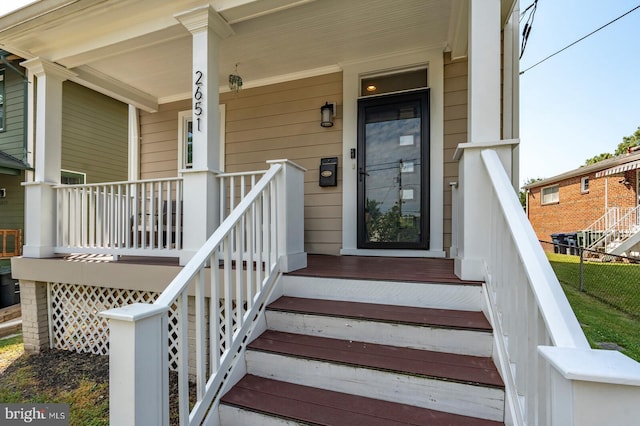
pixel 483 127
pixel 201 192
pixel 40 197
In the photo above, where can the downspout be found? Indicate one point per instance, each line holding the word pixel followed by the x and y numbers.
pixel 25 81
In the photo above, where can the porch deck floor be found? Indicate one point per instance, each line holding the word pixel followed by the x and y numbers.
pixel 423 270
pixel 407 269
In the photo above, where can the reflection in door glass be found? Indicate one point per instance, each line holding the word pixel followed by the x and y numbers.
pixel 393 176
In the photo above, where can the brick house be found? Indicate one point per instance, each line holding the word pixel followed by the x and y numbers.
pixel 597 195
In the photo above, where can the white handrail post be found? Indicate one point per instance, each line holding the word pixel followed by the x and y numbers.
pixel 290 187
pixel 591 387
pixel 138 365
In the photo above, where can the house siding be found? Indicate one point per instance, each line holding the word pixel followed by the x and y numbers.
pixel 455 129
pixel 159 140
pixel 12 206
pixel 12 143
pixel 94 134
pixel 11 138
pixel 283 121
pixel 575 210
pixel 266 123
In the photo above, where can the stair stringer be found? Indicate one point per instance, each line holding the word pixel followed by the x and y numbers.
pixel 627 245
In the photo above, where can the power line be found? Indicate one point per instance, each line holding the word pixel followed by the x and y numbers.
pixel 580 39
pixel 528 25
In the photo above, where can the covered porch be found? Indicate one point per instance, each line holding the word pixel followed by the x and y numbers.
pixel 196 146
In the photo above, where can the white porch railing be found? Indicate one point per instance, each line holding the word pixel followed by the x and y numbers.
pixel 546 362
pixel 623 224
pixel 138 217
pixel 230 297
pixel 234 187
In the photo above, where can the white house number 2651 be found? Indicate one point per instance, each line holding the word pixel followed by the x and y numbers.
pixel 197 99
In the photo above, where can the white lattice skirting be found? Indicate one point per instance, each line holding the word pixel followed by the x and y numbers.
pixel 75 323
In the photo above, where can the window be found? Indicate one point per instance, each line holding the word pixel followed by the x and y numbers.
pixel 551 194
pixel 185 139
pixel 68 177
pixel 394 82
pixel 2 109
pixel 584 185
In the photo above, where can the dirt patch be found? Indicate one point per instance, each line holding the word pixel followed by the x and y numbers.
pixel 57 375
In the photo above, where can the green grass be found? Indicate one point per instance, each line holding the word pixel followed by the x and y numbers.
pixel 612 284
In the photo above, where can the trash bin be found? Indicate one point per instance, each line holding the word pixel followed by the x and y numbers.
pixel 559 243
pixel 554 239
pixel 7 288
pixel 572 242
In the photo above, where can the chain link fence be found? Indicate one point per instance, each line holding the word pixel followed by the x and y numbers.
pixel 611 279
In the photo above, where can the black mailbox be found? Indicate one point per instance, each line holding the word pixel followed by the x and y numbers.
pixel 329 171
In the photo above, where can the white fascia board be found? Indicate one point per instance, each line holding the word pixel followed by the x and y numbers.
pixel 111 87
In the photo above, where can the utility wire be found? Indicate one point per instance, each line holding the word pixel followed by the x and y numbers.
pixel 528 25
pixel 580 39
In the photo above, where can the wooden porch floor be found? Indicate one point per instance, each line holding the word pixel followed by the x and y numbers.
pixel 381 268
pixel 423 270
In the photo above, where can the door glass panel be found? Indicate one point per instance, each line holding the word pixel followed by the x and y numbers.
pixel 392 174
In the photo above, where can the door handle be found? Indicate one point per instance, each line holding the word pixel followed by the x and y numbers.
pixel 361 173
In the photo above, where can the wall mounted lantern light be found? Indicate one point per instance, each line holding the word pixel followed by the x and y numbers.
pixel 327 112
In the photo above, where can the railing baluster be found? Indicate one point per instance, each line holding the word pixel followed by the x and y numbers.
pixel 201 363
pixel 214 314
pixel 239 238
pixel 183 358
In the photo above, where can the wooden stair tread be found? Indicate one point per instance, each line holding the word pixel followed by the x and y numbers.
pixel 323 407
pixel 387 313
pixel 444 366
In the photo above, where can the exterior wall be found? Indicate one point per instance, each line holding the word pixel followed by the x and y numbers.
pixel 159 140
pixel 283 121
pixel 94 134
pixel 576 210
pixel 267 123
pixel 455 129
pixel 12 143
pixel 12 138
pixel 12 206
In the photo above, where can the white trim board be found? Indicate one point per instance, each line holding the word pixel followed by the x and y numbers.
pixel 352 72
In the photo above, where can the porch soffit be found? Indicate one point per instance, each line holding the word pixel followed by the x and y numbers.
pixel 140 45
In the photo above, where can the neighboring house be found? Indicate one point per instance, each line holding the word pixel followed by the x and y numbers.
pixel 597 201
pixel 373 145
pixel 94 139
pixel 13 153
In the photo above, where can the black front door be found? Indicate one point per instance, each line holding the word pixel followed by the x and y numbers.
pixel 393 170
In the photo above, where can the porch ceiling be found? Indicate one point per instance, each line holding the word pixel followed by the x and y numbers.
pixel 135 50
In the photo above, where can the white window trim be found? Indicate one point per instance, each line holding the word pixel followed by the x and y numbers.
pixel 74 172
pixel 352 73
pixel 584 180
pixel 183 118
pixel 3 105
pixel 557 201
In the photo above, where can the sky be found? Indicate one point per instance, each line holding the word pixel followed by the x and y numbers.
pixel 579 103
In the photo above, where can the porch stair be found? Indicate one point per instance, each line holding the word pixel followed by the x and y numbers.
pixel 330 357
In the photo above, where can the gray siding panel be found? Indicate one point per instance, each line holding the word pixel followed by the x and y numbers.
pixel 94 134
pixel 12 139
pixel 12 206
